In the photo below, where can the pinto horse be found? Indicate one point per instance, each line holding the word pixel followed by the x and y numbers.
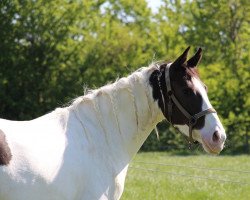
pixel 82 152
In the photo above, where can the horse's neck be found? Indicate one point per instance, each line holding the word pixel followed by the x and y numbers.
pixel 124 113
pixel 139 112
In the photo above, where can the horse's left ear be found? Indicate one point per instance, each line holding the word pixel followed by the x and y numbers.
pixel 182 58
pixel 193 62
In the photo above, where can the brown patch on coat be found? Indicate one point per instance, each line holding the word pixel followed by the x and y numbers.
pixel 5 153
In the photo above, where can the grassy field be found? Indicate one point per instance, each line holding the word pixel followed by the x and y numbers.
pixel 163 183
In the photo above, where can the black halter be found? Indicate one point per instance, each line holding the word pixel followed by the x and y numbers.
pixel 192 119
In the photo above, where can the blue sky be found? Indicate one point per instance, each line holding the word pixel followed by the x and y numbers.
pixel 154 4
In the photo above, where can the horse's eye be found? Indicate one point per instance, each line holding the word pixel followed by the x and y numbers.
pixel 188 91
pixel 206 88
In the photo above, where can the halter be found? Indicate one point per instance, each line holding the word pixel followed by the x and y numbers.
pixel 192 119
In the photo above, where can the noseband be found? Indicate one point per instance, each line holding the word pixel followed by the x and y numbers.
pixel 192 119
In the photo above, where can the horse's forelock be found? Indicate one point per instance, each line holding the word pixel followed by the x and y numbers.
pixel 193 72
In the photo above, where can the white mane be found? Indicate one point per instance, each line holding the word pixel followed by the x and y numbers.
pixel 141 74
pixel 130 85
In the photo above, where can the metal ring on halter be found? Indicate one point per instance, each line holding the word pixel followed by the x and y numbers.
pixel 192 121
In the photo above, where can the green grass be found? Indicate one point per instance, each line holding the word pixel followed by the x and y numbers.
pixel 147 185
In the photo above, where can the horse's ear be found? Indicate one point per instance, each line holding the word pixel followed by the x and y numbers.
pixel 193 62
pixel 182 59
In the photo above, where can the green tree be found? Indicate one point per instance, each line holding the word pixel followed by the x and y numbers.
pixel 41 51
pixel 50 49
pixel 223 29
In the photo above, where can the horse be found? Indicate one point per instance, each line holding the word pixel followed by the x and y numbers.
pixel 82 151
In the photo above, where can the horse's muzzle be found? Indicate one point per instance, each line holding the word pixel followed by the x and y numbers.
pixel 215 143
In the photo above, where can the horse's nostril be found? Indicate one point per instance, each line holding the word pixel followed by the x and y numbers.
pixel 216 136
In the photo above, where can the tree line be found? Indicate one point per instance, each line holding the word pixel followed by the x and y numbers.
pixel 50 50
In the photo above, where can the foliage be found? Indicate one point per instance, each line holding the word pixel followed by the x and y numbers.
pixel 50 49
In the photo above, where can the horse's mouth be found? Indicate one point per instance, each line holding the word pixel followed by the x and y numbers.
pixel 209 149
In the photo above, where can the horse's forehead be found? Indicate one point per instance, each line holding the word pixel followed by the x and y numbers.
pixel 199 87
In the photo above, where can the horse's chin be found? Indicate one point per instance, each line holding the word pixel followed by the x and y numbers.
pixel 208 149
pixel 213 149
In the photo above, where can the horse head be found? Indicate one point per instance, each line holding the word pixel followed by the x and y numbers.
pixel 183 99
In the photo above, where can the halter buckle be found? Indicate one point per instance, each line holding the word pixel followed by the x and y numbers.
pixel 192 121
pixel 170 93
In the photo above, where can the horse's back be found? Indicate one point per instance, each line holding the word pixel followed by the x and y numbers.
pixel 36 151
pixel 39 139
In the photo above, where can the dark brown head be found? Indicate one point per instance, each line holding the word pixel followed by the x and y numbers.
pixel 192 95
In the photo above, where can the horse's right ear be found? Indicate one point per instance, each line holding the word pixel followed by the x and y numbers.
pixel 182 59
pixel 193 62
